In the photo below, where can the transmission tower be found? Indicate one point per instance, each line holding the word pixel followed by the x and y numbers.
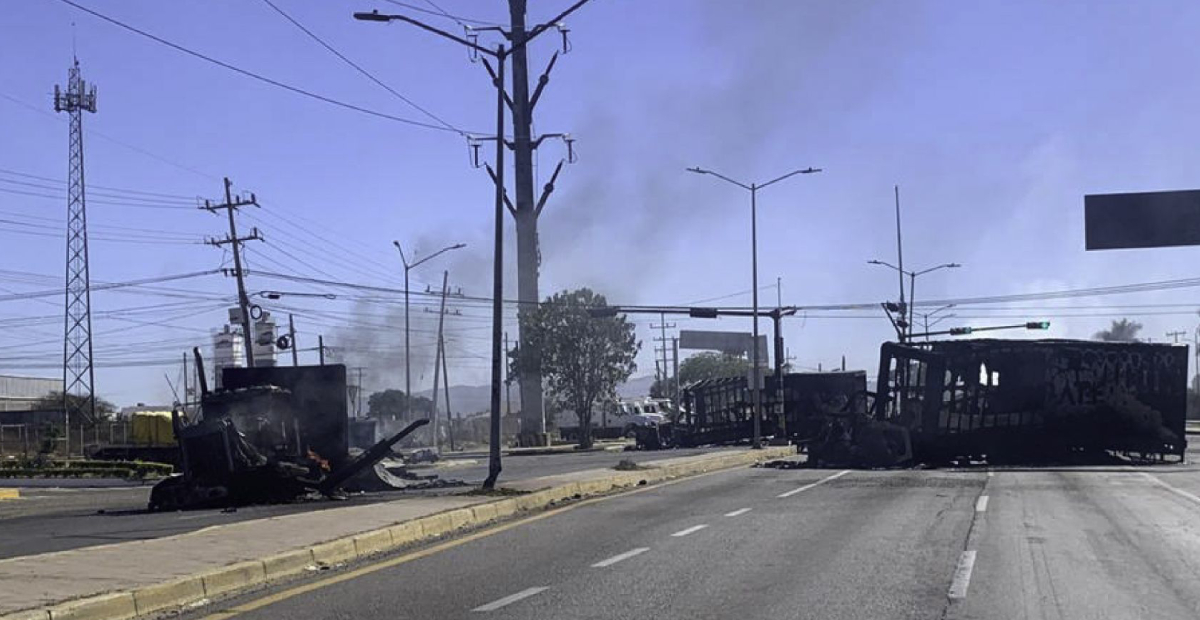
pixel 78 375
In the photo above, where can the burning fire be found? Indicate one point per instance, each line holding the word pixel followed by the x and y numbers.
pixel 324 464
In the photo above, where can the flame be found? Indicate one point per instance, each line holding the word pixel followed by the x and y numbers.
pixel 324 464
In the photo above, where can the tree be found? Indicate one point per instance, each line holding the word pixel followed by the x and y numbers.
pixel 583 358
pixel 54 402
pixel 1121 330
pixel 390 404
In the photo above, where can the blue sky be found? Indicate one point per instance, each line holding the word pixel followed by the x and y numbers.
pixel 994 118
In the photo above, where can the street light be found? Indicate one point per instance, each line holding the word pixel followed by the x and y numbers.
pixel 912 281
pixel 755 370
pixel 407 367
pixel 927 315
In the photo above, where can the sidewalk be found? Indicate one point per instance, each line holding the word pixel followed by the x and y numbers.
pixel 165 573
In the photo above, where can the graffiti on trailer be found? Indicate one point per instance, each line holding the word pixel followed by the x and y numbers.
pixel 1088 376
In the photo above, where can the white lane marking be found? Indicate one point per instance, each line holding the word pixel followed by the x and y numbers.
pixel 620 556
pixel 690 530
pixel 962 575
pixel 510 599
pixel 991 473
pixel 1172 488
pixel 809 486
pixel 981 504
pixel 739 511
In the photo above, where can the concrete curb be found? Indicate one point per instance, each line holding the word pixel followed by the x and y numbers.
pixel 180 593
pixel 10 493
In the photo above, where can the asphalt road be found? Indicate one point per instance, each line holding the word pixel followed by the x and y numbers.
pixel 764 543
pixel 49 518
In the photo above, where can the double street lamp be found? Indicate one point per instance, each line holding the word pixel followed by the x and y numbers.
pixel 755 368
pixel 912 282
pixel 407 367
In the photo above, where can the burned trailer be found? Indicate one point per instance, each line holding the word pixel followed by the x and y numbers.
pixel 1034 400
pixel 263 443
pixel 721 410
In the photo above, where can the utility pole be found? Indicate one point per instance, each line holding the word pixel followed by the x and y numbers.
pixel 292 339
pixel 446 387
pixel 321 348
pixel 185 383
pixel 526 210
pixel 1176 335
pixel 675 368
pixel 900 260
pixel 507 381
pixel 407 364
pixel 662 326
pixel 437 364
pixel 78 373
pixel 230 205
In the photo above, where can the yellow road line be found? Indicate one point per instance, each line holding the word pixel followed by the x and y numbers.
pixel 271 599
pixel 9 493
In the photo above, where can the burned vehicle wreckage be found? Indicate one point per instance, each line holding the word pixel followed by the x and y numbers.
pixel 270 434
pixel 1000 401
pixel 1015 401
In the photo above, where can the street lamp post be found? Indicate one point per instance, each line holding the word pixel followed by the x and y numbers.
pixel 912 282
pixel 755 369
pixel 407 367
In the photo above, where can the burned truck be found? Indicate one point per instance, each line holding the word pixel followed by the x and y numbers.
pixel 720 410
pixel 271 434
pixel 1023 401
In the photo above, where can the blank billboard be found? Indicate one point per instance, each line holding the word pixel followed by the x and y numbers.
pixel 1142 220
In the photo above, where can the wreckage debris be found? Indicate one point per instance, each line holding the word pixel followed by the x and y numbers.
pixel 277 440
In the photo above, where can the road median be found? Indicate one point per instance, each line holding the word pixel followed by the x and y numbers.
pixel 170 573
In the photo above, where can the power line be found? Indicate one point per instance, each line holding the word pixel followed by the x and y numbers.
pixel 256 76
pixel 462 21
pixel 364 72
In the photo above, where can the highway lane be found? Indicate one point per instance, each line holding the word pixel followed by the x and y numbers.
pixel 1071 543
pixel 862 545
pixel 48 518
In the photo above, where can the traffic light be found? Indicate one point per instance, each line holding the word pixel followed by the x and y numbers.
pixel 702 313
pixel 960 331
pixel 1037 325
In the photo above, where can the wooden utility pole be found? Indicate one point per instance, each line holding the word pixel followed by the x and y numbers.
pixel 230 205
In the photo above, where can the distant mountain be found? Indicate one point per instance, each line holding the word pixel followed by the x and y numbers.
pixel 468 399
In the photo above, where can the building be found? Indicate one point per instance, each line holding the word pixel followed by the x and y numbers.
pixel 227 352
pixel 22 393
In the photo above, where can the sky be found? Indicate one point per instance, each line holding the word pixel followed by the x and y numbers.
pixel 993 118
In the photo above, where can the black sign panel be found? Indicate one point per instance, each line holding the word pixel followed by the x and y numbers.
pixel 1142 220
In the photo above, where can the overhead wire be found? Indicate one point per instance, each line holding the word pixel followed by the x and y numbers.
pixel 251 74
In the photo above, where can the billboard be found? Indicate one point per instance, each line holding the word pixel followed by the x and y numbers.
pixel 733 343
pixel 1142 220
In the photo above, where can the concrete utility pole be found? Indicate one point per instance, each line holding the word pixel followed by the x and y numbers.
pixel 230 205
pixel 321 349
pixel 1176 335
pixel 446 387
pixel 437 364
pixel 526 209
pixel 756 370
pixel 662 326
pixel 292 339
pixel 507 381
pixel 675 368
pixel 900 259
